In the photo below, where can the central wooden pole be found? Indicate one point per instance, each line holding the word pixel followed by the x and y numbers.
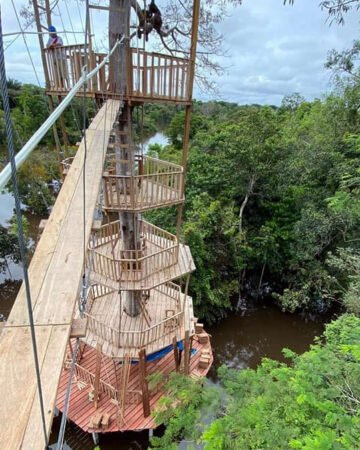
pixel 119 25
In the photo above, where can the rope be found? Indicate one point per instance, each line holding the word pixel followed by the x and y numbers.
pixel 25 42
pixel 22 247
pixel 62 23
pixel 71 25
pixel 15 38
pixel 81 19
pixel 19 33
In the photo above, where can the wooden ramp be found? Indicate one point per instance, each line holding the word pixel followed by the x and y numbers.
pixel 55 275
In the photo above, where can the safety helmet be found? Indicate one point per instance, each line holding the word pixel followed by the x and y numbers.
pixel 52 29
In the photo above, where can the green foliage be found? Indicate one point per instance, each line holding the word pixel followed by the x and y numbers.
pixel 312 403
pixel 184 410
pixel 346 265
pixel 208 231
pixel 270 194
pixel 9 246
pixel 154 380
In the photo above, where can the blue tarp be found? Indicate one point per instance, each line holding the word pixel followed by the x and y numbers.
pixel 163 352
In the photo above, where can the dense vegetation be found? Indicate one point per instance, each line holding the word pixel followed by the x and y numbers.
pixel 272 201
pixel 312 403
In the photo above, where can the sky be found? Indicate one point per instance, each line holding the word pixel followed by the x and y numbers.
pixel 272 50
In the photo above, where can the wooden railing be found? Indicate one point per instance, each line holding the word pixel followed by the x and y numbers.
pixel 152 75
pixel 155 183
pixel 132 396
pixel 159 250
pixel 155 75
pixel 173 291
pixel 126 339
pixel 65 64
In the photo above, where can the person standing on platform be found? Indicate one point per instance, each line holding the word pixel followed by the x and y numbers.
pixel 58 54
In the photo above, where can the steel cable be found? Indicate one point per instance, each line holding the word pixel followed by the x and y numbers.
pixel 22 246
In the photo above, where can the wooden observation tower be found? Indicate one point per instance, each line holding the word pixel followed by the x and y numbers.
pixel 136 318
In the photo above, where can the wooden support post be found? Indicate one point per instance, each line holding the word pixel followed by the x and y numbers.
pixel 97 375
pixel 46 71
pixel 187 353
pixel 176 355
pixel 144 383
pixel 194 36
pixel 63 130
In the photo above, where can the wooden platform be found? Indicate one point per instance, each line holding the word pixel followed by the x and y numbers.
pixel 55 273
pixel 147 194
pixel 118 334
pixel 154 77
pixel 81 409
pixel 184 265
pixel 154 184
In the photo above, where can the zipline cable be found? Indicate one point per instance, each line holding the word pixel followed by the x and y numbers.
pixel 22 246
pixel 71 24
pixel 62 23
pixel 25 42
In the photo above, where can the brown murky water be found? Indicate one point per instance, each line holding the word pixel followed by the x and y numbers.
pixel 239 341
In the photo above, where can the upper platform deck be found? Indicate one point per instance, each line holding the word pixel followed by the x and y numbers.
pixel 153 77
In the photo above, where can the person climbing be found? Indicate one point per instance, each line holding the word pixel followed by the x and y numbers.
pixel 145 25
pixel 150 19
pixel 59 58
pixel 155 17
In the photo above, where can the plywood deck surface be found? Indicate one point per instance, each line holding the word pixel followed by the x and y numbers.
pixel 110 311
pixel 55 274
pixel 81 409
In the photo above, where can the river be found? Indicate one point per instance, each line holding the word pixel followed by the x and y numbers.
pixel 239 341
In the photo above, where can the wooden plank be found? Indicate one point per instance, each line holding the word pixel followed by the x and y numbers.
pixel 50 369
pixel 187 353
pixel 55 274
pixel 97 375
pixel 78 328
pixel 144 383
pixel 176 354
pixel 18 382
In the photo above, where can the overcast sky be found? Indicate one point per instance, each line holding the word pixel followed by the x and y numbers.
pixel 274 50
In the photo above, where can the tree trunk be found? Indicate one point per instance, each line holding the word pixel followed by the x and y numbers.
pixel 119 25
pixel 246 199
pixel 242 301
pixel 261 280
